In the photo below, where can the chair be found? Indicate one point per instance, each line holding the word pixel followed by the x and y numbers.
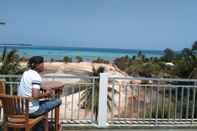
pixel 2 91
pixel 16 114
pixel 2 86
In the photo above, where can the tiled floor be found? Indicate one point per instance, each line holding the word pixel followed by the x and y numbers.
pixel 185 129
pixel 134 130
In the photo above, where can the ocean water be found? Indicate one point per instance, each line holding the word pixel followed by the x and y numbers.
pixel 88 54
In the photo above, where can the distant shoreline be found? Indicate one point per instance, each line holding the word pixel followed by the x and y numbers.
pixel 87 54
pixel 22 45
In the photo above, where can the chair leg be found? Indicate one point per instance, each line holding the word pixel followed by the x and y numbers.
pixel 46 124
pixel 5 128
pixel 27 129
pixel 0 113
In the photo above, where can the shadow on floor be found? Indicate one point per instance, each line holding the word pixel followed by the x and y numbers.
pixel 51 128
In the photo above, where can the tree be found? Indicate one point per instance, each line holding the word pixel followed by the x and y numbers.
pixel 140 56
pixel 187 66
pixel 2 23
pixel 194 46
pixel 67 59
pixel 100 60
pixel 79 58
pixel 4 53
pixel 87 98
pixel 10 63
pixel 168 54
pixel 123 62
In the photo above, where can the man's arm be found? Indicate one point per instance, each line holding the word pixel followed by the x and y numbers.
pixel 36 94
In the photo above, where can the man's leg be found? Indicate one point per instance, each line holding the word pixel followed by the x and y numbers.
pixel 50 104
pixel 39 127
pixel 46 106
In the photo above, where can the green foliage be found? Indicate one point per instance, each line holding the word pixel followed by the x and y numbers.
pixel 187 106
pixel 194 46
pixel 162 112
pixel 185 64
pixel 140 56
pixel 123 62
pixel 138 67
pixel 100 60
pixel 87 96
pixel 11 63
pixel 4 53
pixel 168 55
pixel 67 59
pixel 23 59
pixel 79 58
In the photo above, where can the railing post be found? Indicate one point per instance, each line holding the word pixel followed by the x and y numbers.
pixel 102 107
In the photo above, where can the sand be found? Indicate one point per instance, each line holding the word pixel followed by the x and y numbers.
pixel 70 101
pixel 82 68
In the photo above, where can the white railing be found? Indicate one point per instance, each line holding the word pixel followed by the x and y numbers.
pixel 72 110
pixel 153 102
pixel 124 101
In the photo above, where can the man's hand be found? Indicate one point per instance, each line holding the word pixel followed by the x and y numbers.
pixel 36 94
pixel 48 93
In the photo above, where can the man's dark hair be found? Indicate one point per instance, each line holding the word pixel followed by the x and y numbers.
pixel 35 60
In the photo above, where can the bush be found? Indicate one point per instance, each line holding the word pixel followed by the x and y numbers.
pixel 100 60
pixel 67 59
pixel 79 58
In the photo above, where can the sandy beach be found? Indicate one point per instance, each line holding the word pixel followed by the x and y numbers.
pixel 70 101
pixel 81 68
pixel 70 98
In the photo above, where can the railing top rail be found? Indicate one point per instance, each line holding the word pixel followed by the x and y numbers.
pixel 156 79
pixel 164 85
pixel 110 77
pixel 12 76
pixel 53 76
pixel 73 77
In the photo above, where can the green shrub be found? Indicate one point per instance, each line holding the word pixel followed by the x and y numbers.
pixel 100 60
pixel 79 58
pixel 67 59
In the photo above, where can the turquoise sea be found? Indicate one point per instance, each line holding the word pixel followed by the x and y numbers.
pixel 57 53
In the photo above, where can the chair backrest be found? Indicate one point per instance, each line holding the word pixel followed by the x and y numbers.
pixel 2 86
pixel 15 108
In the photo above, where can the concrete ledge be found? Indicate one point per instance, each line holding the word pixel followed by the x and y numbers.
pixel 138 128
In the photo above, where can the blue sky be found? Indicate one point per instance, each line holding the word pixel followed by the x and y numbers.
pixel 127 24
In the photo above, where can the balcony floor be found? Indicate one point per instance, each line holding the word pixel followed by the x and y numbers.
pixel 127 129
pixel 185 129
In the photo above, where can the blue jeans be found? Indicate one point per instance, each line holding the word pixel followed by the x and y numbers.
pixel 45 106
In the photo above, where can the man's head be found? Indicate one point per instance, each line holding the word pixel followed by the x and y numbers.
pixel 36 63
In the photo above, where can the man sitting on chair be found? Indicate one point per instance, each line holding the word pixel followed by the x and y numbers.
pixel 30 85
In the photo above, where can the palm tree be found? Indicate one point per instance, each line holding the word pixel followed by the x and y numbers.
pixel 79 58
pixel 4 53
pixel 4 49
pixel 187 64
pixel 87 98
pixel 168 55
pixel 141 56
pixel 190 60
pixel 10 63
pixel 194 46
pixel 2 23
